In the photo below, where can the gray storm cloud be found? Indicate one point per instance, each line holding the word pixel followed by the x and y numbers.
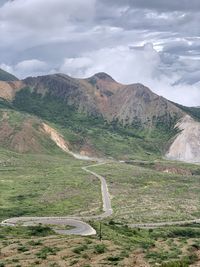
pixel 153 42
pixel 170 5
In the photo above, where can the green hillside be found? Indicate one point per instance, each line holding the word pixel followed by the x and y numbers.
pixel 192 111
pixel 109 139
pixel 42 184
pixel 5 76
pixel 21 132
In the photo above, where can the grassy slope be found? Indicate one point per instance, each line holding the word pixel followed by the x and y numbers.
pixel 192 111
pixel 16 121
pixel 147 195
pixel 51 183
pixel 5 76
pixel 45 185
pixel 120 246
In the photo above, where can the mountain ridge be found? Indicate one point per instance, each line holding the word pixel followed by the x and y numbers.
pixel 102 95
pixel 98 116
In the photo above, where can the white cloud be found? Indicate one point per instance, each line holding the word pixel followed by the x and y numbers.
pixel 76 66
pixel 125 64
pixel 27 68
pixel 142 64
pixel 81 38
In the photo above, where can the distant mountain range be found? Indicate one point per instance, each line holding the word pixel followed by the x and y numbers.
pixel 95 116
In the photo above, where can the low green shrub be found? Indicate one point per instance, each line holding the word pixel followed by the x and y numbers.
pixel 22 249
pixel 79 249
pixel 114 258
pixel 100 248
pixel 40 230
pixel 44 252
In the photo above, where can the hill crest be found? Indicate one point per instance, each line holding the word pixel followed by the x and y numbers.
pixel 101 95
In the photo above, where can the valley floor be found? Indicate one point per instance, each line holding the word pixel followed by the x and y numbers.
pixel 160 191
pixel 47 185
pixel 44 185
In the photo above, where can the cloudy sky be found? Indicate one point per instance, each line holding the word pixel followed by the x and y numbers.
pixel 154 42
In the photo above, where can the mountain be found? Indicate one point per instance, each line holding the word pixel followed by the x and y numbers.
pixel 5 76
pixel 9 84
pixel 100 95
pixel 98 116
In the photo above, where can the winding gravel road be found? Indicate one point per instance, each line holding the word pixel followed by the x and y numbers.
pixel 79 227
pixel 107 208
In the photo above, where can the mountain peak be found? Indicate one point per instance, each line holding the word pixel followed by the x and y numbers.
pixel 103 76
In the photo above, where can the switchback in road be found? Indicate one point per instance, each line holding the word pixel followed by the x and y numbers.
pixel 79 227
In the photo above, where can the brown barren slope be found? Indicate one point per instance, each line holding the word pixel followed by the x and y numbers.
pixel 101 95
pixel 9 89
pixel 24 133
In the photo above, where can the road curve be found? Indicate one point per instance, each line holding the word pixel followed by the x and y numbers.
pixel 79 227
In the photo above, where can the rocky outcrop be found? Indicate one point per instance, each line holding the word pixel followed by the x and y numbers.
pixel 137 103
pixel 9 89
pixel 56 137
pixel 172 169
pixel 186 146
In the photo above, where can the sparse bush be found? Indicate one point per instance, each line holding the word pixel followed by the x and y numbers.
pixel 79 249
pixel 111 222
pixel 54 264
pixel 15 260
pixel 37 262
pixel 44 252
pixel 174 264
pixel 85 256
pixel 100 248
pixel 114 258
pixel 73 262
pixel 35 243
pixel 124 254
pixel 22 249
pixel 88 241
pixel 40 230
pixel 184 232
